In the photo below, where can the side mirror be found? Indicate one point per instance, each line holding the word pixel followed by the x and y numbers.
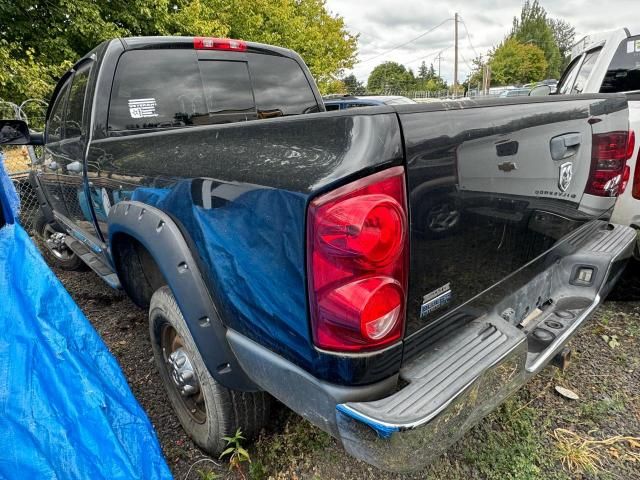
pixel 540 91
pixel 16 132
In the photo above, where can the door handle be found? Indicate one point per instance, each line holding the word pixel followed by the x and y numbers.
pixel 565 146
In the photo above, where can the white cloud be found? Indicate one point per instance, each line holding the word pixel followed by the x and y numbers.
pixel 384 24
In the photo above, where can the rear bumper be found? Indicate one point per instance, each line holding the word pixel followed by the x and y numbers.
pixel 459 381
pixel 456 380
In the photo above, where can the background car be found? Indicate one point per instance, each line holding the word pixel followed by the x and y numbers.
pixel 516 92
pixel 350 101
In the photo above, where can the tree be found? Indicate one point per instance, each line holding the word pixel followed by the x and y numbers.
pixel 533 27
pixel 517 63
pixel 353 86
pixel 423 73
pixel 474 79
pixel 564 34
pixel 390 76
pixel 74 27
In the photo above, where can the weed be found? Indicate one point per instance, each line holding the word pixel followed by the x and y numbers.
pixel 599 409
pixel 236 452
pixel 203 474
pixel 510 446
pixel 575 454
pixel 297 440
pixel 582 455
pixel 207 475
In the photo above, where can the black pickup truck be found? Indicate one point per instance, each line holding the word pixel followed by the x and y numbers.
pixel 390 273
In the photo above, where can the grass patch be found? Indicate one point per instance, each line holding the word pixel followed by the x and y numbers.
pixel 291 447
pixel 597 410
pixel 508 445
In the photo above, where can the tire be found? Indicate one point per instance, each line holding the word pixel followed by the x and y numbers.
pixel 215 411
pixel 628 286
pixel 69 261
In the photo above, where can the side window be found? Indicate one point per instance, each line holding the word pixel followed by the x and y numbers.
pixel 331 107
pixel 623 74
pixel 73 126
pixel 157 89
pixel 54 124
pixel 227 91
pixel 280 86
pixel 566 82
pixel 585 70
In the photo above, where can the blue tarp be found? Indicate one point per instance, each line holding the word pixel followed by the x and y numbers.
pixel 66 410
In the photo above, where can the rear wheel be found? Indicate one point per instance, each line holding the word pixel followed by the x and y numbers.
pixel 207 410
pixel 55 249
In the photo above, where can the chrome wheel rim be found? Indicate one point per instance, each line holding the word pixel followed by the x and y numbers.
pixel 184 379
pixel 54 241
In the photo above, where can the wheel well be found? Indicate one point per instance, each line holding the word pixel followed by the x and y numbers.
pixel 137 270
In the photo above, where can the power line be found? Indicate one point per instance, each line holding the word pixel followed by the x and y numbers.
pixel 406 43
pixel 424 57
pixel 466 62
pixel 469 37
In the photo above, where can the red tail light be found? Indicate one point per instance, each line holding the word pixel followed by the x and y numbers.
pixel 210 43
pixel 357 263
pixel 610 152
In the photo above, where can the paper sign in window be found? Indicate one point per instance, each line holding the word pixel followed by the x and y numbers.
pixel 142 107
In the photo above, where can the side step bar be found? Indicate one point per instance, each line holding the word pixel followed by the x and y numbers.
pixel 104 271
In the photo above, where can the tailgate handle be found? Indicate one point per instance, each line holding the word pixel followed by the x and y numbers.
pixel 564 146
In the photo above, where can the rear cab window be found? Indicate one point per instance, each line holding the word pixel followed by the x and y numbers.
pixel 623 73
pixel 170 88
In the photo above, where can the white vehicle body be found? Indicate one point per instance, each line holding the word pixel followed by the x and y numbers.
pixel 595 59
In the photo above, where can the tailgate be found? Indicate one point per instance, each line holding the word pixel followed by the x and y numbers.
pixel 493 186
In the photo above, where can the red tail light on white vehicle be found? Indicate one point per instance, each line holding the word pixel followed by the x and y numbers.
pixel 609 155
pixel 357 263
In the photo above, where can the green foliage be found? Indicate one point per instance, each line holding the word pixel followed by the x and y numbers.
pixel 390 76
pixel 564 34
pixel 510 447
pixel 533 27
pixel 39 39
pixel 235 451
pixel 474 79
pixel 353 86
pixel 429 80
pixel 207 475
pixel 332 86
pixel 517 63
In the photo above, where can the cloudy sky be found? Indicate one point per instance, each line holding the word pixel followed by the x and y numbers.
pixel 385 24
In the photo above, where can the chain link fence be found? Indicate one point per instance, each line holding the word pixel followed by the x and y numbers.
pixel 20 160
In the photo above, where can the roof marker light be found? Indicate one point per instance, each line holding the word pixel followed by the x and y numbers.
pixel 211 43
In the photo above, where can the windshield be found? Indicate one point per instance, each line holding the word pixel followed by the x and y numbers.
pixel 623 74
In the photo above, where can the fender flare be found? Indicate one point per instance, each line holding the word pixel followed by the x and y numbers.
pixel 162 238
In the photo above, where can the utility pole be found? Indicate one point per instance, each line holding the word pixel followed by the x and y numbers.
pixel 455 60
pixel 439 57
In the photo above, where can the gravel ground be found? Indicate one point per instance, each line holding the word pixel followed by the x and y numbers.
pixel 517 441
